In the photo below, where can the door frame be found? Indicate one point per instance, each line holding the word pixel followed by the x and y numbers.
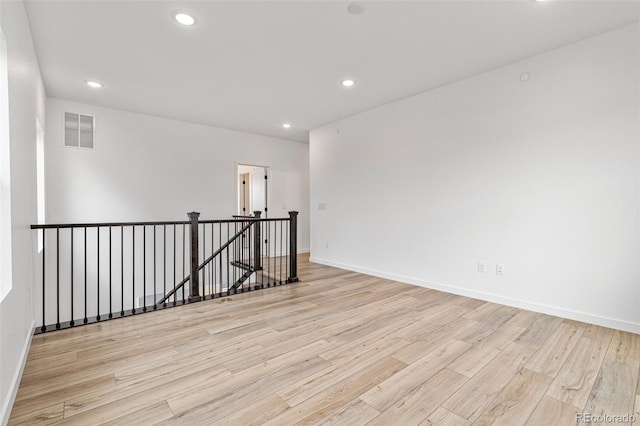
pixel 267 187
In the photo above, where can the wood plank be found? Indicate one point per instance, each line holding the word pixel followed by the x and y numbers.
pixel 38 415
pixel 35 366
pixel 555 351
pixel 483 311
pixel 575 379
pixel 433 335
pixel 539 331
pixel 354 347
pixel 613 390
pixel 355 412
pixel 636 412
pixel 476 395
pixel 468 302
pixel 487 326
pixel 550 411
pixel 221 402
pixel 159 387
pixel 385 394
pixel 296 361
pixel 524 319
pixel 257 413
pixel 147 415
pixel 84 372
pixel 483 351
pixel 625 348
pixel 515 403
pixel 318 406
pixel 38 401
pixel 444 417
pixel 594 332
pixel 340 369
pixel 417 405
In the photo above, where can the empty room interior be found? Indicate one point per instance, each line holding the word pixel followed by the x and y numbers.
pixel 320 212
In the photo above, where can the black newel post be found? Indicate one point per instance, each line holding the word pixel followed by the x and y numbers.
pixel 257 260
pixel 293 247
pixel 194 278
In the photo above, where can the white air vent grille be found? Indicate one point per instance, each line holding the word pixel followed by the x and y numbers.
pixel 79 130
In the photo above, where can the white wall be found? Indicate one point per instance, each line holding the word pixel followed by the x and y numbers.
pixel 147 168
pixel 26 103
pixel 541 176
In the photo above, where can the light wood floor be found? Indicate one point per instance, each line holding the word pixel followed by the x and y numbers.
pixel 338 348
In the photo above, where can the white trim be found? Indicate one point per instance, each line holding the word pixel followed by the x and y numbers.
pixel 303 251
pixel 490 297
pixel 15 382
pixel 6 280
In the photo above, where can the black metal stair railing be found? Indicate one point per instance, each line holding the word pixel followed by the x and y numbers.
pixel 94 272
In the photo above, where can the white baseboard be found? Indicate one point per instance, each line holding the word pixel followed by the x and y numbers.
pixel 490 297
pixel 15 382
pixel 302 251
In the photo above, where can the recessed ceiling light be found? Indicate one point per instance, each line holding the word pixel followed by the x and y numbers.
pixel 286 125
pixel 94 84
pixel 525 76
pixel 185 19
pixel 347 83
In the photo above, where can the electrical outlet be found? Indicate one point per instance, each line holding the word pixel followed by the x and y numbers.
pixel 499 269
pixel 482 266
pixel 326 245
pixel 322 206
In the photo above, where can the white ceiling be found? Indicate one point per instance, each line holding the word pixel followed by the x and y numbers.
pixel 251 65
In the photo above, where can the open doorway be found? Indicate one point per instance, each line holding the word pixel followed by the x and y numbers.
pixel 253 189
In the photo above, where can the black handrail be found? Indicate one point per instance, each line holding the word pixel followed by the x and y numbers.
pixel 237 219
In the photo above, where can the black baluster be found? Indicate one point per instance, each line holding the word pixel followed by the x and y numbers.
pixel 204 244
pixel 85 320
pixel 220 242
pixel 267 242
pixel 133 269
pixel 164 263
pixel 281 253
pixel 144 268
pixel 57 278
pixel 121 271
pixel 227 263
pixel 247 257
pixel 287 246
pixel 174 265
pixel 110 281
pixel 235 252
pixel 184 263
pixel 212 264
pixel 155 304
pixel 98 277
pixel 44 327
pixel 72 322
pixel 262 226
pixel 257 245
